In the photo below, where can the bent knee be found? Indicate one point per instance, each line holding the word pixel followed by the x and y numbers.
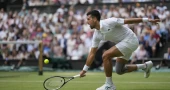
pixel 106 56
pixel 120 72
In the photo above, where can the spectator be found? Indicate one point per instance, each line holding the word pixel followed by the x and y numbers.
pixel 82 1
pixel 56 51
pixel 63 43
pixel 148 49
pixel 25 3
pixel 70 43
pixel 76 53
pixel 164 62
pixel 69 23
pixel 152 42
pixel 167 55
pixel 61 10
pixel 141 40
pixel 161 8
pixel 22 56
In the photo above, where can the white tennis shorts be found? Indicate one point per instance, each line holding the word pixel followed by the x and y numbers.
pixel 128 46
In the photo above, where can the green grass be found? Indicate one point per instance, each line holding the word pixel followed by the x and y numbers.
pixel 130 81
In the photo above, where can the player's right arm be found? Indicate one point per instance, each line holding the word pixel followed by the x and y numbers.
pixel 89 61
pixel 92 53
pixel 91 56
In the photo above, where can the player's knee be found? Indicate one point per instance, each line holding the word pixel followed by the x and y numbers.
pixel 106 56
pixel 119 71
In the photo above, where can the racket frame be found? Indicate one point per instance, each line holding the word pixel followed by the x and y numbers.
pixel 64 78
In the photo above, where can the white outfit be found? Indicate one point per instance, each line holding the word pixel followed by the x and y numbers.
pixel 112 29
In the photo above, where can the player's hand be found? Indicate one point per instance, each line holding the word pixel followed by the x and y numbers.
pixel 82 73
pixel 155 21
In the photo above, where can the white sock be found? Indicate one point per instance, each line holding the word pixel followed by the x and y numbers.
pixel 109 80
pixel 141 66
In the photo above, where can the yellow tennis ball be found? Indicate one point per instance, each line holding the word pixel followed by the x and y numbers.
pixel 46 61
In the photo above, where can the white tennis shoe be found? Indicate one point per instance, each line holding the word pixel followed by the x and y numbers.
pixel 107 87
pixel 149 65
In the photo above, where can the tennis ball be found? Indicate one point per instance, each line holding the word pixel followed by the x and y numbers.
pixel 46 61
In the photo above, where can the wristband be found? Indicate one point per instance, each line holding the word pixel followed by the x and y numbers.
pixel 145 19
pixel 85 68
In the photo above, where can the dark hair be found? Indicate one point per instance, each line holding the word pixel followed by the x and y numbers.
pixel 94 13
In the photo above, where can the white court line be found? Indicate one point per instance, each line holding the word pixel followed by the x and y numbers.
pixel 16 81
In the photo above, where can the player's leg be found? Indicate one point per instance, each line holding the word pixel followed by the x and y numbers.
pixel 121 68
pixel 98 57
pixel 127 48
pixel 107 61
pixel 119 50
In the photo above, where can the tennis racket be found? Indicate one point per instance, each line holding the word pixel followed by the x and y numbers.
pixel 57 82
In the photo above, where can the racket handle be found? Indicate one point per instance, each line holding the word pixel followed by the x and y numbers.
pixel 76 76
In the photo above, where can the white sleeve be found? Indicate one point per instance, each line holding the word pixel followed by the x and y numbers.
pixel 114 21
pixel 95 40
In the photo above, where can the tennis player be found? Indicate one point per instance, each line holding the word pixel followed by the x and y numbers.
pixel 113 29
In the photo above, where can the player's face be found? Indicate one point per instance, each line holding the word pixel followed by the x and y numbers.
pixel 91 21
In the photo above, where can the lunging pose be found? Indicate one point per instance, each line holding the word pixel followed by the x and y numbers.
pixel 126 42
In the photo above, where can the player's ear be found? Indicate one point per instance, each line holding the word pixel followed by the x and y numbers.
pixel 95 19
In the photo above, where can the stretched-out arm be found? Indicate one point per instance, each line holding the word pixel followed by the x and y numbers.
pixel 139 20
pixel 120 21
pixel 89 61
pixel 90 57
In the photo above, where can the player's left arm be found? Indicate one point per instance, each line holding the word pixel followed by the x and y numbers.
pixel 120 21
pixel 139 20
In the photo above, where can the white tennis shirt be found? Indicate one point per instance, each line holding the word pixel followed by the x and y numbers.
pixel 111 29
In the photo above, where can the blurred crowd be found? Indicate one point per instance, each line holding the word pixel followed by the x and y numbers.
pixel 65 33
pixel 58 2
pixel 75 2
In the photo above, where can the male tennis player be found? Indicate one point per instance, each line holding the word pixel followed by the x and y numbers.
pixel 113 29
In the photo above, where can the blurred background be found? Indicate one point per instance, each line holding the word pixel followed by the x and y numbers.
pixel 61 25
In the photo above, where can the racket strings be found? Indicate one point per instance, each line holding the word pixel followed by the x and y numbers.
pixel 54 83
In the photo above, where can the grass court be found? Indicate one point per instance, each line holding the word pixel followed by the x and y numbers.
pixel 129 81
